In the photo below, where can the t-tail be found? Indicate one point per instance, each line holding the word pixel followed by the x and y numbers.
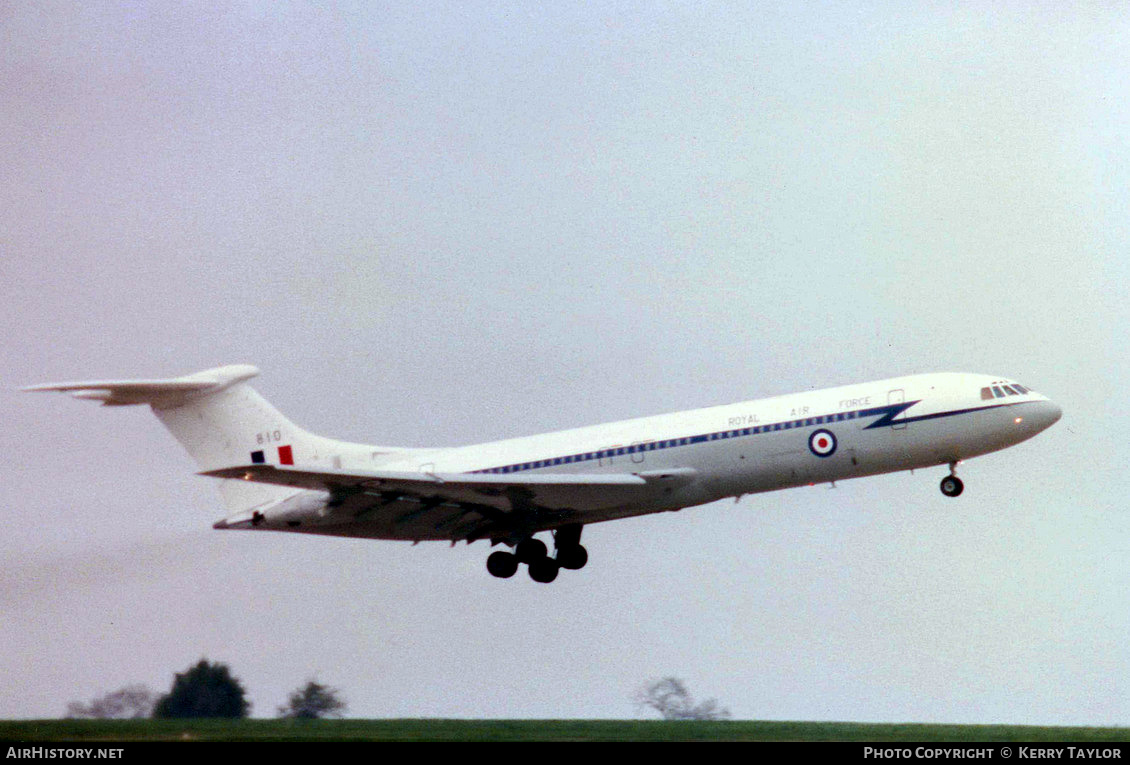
pixel 223 422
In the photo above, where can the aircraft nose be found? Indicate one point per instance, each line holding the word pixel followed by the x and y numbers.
pixel 1035 417
pixel 1048 413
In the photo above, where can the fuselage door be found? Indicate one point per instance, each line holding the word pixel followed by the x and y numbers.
pixel 606 455
pixel 897 396
pixel 639 451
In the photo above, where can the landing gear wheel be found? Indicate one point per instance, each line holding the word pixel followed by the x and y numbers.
pixel 531 550
pixel 573 557
pixel 544 570
pixel 952 486
pixel 502 564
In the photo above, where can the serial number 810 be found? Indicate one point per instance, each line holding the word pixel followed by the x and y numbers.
pixel 267 437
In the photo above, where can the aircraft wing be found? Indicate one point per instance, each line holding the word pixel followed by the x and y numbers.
pixel 465 505
pixel 552 490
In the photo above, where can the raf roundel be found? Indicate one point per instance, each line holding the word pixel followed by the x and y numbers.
pixel 822 443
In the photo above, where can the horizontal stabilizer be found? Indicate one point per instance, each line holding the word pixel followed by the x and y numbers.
pixel 161 394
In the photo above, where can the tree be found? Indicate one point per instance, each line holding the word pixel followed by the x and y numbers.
pixel 313 701
pixel 206 690
pixel 669 697
pixel 131 702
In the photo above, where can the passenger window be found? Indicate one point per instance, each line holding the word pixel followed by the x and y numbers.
pixel 986 394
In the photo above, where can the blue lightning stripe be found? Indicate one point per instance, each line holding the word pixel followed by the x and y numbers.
pixel 954 412
pixel 889 413
pixel 886 418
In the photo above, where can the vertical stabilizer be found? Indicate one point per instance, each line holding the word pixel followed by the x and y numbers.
pixel 221 421
pixel 226 428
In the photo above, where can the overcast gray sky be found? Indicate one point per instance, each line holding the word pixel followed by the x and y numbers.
pixel 442 223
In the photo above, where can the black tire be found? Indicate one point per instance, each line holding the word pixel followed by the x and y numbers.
pixel 502 564
pixel 531 550
pixel 952 486
pixel 573 557
pixel 544 570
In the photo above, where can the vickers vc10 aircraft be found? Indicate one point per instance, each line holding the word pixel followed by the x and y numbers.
pixel 275 476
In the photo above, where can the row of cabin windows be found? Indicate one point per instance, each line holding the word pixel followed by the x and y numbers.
pixel 653 445
pixel 1000 391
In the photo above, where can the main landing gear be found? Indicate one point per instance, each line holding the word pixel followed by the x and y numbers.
pixel 533 552
pixel 951 485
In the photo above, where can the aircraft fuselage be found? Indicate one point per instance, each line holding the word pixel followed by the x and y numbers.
pixel 276 476
pixel 775 443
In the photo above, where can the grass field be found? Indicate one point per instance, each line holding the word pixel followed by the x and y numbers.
pixel 532 730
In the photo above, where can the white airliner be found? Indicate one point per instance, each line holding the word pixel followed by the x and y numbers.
pixel 276 476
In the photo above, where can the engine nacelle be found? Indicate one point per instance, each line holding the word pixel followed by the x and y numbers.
pixel 306 508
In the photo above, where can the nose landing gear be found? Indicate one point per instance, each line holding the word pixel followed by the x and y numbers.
pixel 951 485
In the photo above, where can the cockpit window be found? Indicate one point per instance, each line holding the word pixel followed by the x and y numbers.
pixel 1000 390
